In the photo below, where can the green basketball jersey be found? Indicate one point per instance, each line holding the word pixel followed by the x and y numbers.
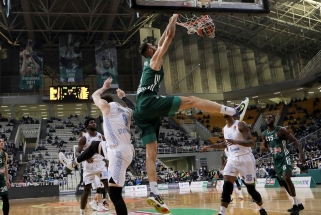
pixel 277 143
pixel 150 80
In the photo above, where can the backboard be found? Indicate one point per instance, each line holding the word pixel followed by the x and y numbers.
pixel 202 7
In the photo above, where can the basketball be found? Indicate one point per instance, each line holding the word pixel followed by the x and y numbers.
pixel 207 29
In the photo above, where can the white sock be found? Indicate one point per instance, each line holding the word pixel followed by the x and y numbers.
pixel 82 212
pixel 222 210
pixel 261 206
pixel 228 110
pixel 295 200
pixel 153 187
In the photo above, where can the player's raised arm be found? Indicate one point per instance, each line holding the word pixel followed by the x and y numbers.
pixel 99 102
pixel 165 41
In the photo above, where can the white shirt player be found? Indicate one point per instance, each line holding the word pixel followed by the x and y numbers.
pixel 97 157
pixel 234 134
pixel 117 125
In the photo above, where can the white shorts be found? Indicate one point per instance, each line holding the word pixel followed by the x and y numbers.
pixel 97 183
pixel 119 158
pixel 91 170
pixel 243 165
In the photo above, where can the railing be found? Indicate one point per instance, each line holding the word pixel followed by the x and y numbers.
pixel 312 66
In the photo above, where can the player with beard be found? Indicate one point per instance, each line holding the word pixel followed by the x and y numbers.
pixel 93 167
pixel 239 140
pixel 275 138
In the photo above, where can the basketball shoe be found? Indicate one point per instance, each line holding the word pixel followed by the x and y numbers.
pixel 157 202
pixel 241 109
pixel 295 210
pixel 263 212
pixel 69 165
pixel 101 208
pixel 300 206
pixel 93 205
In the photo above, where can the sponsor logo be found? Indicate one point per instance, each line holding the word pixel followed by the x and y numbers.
pixel 270 182
pixel 162 186
pixel 276 150
pixel 173 186
pixel 184 185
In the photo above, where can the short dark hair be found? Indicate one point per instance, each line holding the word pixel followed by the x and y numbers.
pixel 107 97
pixel 142 48
pixel 88 120
pixel 272 116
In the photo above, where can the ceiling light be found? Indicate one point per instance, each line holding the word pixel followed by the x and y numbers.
pixel 42 105
pixel 78 108
pixel 254 97
pixel 93 111
pixel 6 110
pixel 26 113
pixel 78 104
pixel 60 105
pixel 60 115
pixel 33 107
pixel 228 101
pixel 60 112
pixel 24 109
pixel 4 106
pixel 300 88
pixel 77 111
pixel 43 109
pixel 23 106
pixel 43 112
pixel 60 108
pixel 277 93
pixel 311 92
pixel 44 118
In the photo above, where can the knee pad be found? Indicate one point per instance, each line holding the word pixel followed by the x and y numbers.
pixel 100 190
pixel 227 191
pixel 253 192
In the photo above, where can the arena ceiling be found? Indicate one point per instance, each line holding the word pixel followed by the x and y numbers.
pixel 292 26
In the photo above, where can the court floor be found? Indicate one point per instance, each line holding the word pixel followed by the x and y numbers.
pixel 181 202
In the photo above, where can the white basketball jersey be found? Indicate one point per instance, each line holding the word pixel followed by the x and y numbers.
pixel 234 134
pixel 227 153
pixel 89 140
pixel 117 125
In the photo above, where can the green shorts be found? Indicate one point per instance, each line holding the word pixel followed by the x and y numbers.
pixel 283 165
pixel 149 108
pixel 3 186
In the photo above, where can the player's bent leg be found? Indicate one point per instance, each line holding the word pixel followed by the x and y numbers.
pixel 256 197
pixel 5 204
pixel 226 193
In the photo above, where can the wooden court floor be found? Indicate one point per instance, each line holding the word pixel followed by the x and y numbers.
pixel 181 202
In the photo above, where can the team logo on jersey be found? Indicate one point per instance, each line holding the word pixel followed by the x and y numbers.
pixel 234 127
pixel 276 150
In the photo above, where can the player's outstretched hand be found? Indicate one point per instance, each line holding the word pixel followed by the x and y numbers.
pixel 205 148
pixel 107 83
pixel 120 93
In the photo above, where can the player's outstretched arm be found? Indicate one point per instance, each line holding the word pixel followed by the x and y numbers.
pixel 121 94
pixel 157 59
pixel 216 146
pixel 99 102
pixel 288 136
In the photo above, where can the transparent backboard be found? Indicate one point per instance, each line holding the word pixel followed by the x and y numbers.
pixel 208 7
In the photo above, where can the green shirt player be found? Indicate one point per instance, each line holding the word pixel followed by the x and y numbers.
pixel 150 107
pixel 275 138
pixel 4 179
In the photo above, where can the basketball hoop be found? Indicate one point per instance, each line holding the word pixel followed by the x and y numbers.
pixel 203 25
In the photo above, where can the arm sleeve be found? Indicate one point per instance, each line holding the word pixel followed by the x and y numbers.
pixel 128 103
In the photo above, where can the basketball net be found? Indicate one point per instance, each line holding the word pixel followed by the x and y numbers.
pixel 203 25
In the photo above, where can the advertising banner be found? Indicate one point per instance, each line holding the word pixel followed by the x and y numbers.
pixel 199 184
pixel 303 182
pixel 70 58
pixel 260 182
pixel 183 185
pixel 138 188
pixel 106 62
pixel 31 65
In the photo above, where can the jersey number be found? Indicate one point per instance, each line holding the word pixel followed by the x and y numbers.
pixel 269 138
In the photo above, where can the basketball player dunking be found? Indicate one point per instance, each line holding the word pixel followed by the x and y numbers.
pixel 239 140
pixel 117 148
pixel 150 107
pixel 94 167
